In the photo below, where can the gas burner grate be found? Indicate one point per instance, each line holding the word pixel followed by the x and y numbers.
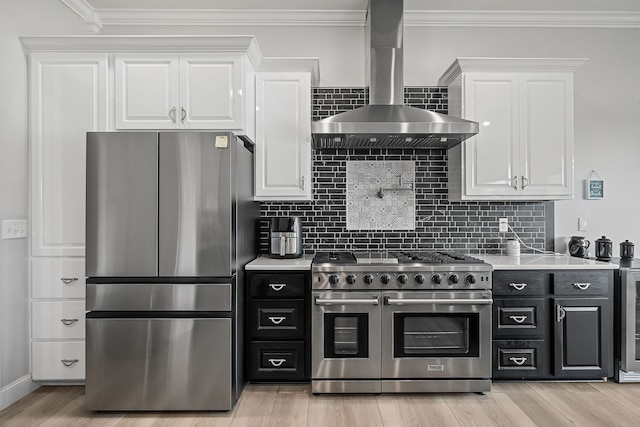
pixel 436 257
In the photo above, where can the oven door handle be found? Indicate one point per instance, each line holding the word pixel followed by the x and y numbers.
pixel 352 301
pixel 456 301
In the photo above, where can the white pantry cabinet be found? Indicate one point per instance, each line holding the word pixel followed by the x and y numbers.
pixel 68 97
pixel 524 150
pixel 181 91
pixel 283 129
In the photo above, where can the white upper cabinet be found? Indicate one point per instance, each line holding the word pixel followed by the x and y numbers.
pixel 68 97
pixel 283 129
pixel 179 91
pixel 524 150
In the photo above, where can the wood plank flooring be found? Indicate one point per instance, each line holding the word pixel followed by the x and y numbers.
pixel 282 405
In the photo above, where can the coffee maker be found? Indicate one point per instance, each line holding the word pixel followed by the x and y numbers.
pixel 285 237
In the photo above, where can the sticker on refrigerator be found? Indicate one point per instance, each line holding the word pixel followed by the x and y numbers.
pixel 222 141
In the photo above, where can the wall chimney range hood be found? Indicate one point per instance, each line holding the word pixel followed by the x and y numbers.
pixel 386 122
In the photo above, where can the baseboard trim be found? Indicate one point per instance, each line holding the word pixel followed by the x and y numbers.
pixel 16 391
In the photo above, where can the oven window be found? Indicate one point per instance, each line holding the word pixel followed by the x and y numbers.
pixel 346 335
pixel 436 334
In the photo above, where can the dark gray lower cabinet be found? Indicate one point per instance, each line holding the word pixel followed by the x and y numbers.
pixel 555 324
pixel 583 337
pixel 278 326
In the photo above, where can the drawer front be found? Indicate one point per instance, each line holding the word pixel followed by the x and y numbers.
pixel 517 283
pixel 54 361
pixel 583 282
pixel 279 319
pixel 518 359
pixel 265 285
pixel 277 360
pixel 58 320
pixel 58 278
pixel 519 317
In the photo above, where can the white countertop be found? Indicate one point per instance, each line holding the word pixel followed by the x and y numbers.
pixel 543 262
pixel 266 263
pixel 499 262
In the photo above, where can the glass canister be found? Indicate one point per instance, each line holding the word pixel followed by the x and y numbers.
pixel 513 247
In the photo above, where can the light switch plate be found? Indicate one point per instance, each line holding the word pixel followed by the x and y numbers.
pixel 14 228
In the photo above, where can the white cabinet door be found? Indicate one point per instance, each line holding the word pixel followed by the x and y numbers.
pixel 210 91
pixel 492 156
pixel 546 140
pixel 147 91
pixel 55 361
pixel 68 97
pixel 190 91
pixel 57 277
pixel 283 136
pixel 524 150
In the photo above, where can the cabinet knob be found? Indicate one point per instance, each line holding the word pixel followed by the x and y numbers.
pixel 183 115
pixel 68 280
pixel 582 286
pixel 172 114
pixel 68 322
pixel 515 182
pixel 525 182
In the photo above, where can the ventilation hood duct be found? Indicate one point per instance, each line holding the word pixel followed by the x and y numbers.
pixel 386 122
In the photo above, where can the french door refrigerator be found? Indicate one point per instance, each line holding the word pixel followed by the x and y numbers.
pixel 170 224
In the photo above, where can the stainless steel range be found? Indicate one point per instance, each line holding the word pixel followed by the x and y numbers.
pixel 400 322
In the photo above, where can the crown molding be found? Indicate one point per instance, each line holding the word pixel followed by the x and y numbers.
pixel 293 64
pixel 241 44
pixel 504 18
pixel 502 65
pixel 95 19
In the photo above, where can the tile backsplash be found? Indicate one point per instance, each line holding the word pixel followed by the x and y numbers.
pixel 380 195
pixel 330 223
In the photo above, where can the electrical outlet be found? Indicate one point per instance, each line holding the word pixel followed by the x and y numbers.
pixel 14 228
pixel 503 225
pixel 582 224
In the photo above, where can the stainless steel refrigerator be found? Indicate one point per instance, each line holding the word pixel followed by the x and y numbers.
pixel 171 223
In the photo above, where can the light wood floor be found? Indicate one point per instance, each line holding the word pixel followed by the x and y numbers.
pixel 508 404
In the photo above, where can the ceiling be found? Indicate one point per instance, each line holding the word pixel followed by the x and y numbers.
pixel 540 13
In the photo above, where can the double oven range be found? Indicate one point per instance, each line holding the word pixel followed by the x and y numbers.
pixel 400 322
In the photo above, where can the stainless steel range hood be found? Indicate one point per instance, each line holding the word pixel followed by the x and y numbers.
pixel 386 122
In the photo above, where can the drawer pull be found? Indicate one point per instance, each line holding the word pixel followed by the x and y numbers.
pixel 518 319
pixel 68 322
pixel 277 286
pixel 68 280
pixel 69 362
pixel 582 286
pixel 518 286
pixel 277 320
pixel 277 362
pixel 518 360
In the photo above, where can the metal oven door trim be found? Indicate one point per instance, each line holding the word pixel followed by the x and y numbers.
pixel 421 367
pixel 334 302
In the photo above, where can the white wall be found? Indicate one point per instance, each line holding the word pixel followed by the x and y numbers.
pixel 24 17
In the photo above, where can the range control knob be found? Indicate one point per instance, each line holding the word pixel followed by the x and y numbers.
pixel 419 279
pixel 334 279
pixel 436 278
pixel 453 279
pixel 385 279
pixel 470 279
pixel 351 279
pixel 403 279
pixel 368 279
